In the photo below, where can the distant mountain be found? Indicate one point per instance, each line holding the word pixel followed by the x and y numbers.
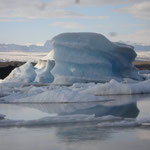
pixel 23 48
pixel 47 44
pixel 138 47
pixel 47 47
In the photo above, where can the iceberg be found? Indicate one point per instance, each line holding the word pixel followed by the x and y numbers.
pixel 90 57
pixel 24 74
pixel 80 58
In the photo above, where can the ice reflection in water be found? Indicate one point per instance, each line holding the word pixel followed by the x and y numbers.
pixel 121 106
pixel 79 135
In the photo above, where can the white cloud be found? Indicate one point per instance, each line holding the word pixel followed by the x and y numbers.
pixel 102 2
pixel 67 25
pixel 84 3
pixel 36 9
pixel 140 10
pixel 99 26
pixel 133 25
pixel 15 20
pixel 77 25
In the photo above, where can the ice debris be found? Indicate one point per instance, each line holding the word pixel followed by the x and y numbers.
pixel 25 74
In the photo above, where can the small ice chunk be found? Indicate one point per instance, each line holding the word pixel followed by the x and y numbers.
pixel 123 123
pixel 57 120
pixel 44 75
pixel 117 88
pixel 24 73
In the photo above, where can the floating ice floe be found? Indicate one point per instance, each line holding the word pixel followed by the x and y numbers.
pixel 105 121
pixel 80 58
pixel 80 92
pixel 117 88
pixel 57 119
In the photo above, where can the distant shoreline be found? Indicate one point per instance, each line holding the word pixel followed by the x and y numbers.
pixel 142 65
pixel 7 67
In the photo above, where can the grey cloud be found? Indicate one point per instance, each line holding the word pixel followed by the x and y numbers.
pixel 102 2
pixel 113 34
pixel 139 10
pixel 37 9
pixel 77 1
pixel 42 6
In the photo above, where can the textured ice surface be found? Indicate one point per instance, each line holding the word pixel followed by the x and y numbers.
pixel 25 74
pixel 115 88
pixel 104 121
pixel 86 57
pixel 19 91
pixel 81 92
pixel 44 75
pixel 58 119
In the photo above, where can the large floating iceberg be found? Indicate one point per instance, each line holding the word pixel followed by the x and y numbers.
pixel 80 58
pixel 90 57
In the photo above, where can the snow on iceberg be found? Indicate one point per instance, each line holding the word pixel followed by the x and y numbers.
pixel 25 74
pixel 87 57
pixel 44 75
pixel 117 88
pixel 52 94
pixel 80 93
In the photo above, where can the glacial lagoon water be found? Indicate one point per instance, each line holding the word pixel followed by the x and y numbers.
pixel 73 134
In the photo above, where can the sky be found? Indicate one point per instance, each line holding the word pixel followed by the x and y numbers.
pixel 35 21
